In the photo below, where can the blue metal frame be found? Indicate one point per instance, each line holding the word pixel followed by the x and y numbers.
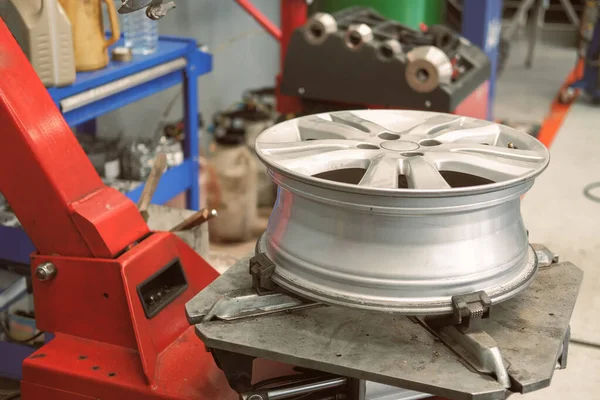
pixel 481 24
pixel 15 245
pixel 13 355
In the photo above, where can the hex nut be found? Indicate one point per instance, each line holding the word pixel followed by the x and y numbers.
pixel 45 272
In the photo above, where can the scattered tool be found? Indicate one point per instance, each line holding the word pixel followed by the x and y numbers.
pixel 158 168
pixel 196 219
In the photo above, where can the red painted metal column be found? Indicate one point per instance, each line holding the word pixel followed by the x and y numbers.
pixel 45 175
pixel 293 16
pixel 255 13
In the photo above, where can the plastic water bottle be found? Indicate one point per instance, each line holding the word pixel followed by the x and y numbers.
pixel 141 33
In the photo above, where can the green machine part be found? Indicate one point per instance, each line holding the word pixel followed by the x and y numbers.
pixel 408 12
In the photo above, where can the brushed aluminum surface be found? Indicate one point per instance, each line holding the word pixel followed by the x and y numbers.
pixel 399 210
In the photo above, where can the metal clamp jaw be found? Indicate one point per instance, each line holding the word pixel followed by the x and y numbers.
pixel 261 269
pixel 155 9
pixel 469 309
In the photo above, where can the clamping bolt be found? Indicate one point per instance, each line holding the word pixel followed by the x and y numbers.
pixel 45 271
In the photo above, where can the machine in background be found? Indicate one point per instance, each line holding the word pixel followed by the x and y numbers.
pixel 356 58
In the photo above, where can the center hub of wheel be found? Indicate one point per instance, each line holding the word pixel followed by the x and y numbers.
pixel 399 145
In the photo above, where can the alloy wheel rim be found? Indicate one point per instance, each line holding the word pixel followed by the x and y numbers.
pixel 370 240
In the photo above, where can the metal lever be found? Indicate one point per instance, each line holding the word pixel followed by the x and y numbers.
pixel 157 11
pixel 463 333
pixel 294 390
pixel 159 166
pixel 195 219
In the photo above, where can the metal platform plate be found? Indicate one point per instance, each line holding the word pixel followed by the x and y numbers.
pixel 394 350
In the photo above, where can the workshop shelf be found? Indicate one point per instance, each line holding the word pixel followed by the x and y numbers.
pixel 176 61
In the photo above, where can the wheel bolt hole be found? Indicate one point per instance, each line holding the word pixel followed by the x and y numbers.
pixel 422 75
pixel 430 142
pixel 355 39
pixel 386 52
pixel 388 136
pixel 316 30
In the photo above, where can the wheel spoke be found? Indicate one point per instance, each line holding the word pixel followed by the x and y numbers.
pixel 436 124
pixel 329 161
pixel 496 169
pixel 418 151
pixel 483 134
pixel 314 127
pixel 504 152
pixel 357 122
pixel 291 148
pixel 381 173
pixel 423 174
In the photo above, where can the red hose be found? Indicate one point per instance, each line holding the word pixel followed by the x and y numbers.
pixel 255 13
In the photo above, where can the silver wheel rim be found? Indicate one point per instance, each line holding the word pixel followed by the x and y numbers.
pixel 372 244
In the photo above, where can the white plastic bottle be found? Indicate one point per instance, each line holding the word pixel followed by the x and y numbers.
pixel 140 32
pixel 43 31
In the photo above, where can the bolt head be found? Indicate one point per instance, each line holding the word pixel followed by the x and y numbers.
pixel 45 271
pixel 255 397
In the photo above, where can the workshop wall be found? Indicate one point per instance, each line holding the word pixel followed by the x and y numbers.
pixel 244 57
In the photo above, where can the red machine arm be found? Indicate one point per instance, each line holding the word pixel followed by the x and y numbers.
pixel 45 175
pixel 117 295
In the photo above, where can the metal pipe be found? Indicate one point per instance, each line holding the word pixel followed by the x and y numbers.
pixel 255 13
pixel 120 85
pixel 286 393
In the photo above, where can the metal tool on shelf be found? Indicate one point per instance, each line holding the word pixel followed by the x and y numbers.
pixel 155 9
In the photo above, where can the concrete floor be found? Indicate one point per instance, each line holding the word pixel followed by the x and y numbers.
pixel 524 95
pixel 558 215
pixel 555 210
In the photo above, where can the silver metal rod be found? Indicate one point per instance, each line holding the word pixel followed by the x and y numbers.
pixel 307 388
pixel 120 85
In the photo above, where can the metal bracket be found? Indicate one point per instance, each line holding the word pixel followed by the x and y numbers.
pixel 470 308
pixel 462 333
pixel 236 367
pixel 478 350
pixel 261 269
pixel 246 303
pixel 467 312
pixel 546 258
pixel 562 359
pixel 329 386
pixel 238 372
